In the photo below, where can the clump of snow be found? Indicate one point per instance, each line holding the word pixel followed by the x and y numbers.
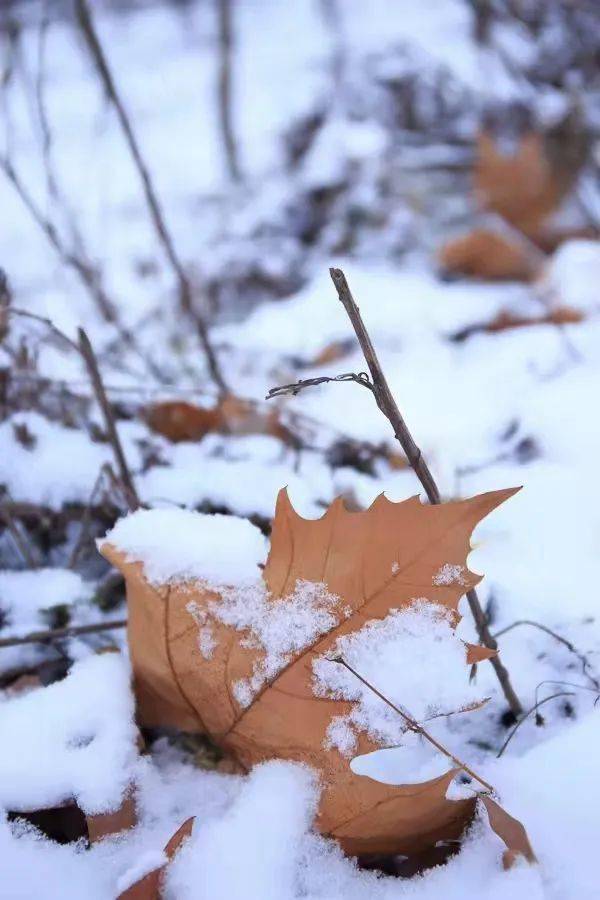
pixel 232 857
pixel 280 628
pixel 412 762
pixel 178 544
pixel 573 275
pixel 449 574
pixel 75 739
pixel 48 464
pixel 414 658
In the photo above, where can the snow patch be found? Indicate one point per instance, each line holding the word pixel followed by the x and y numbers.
pixel 414 658
pixel 280 628
pixel 449 574
pixel 179 545
pixel 75 739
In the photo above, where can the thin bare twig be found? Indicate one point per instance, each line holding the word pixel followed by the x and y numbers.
pixel 297 386
pixel 388 406
pixel 530 712
pixel 87 351
pixel 416 726
pixel 58 634
pixel 225 50
pixel 585 663
pixel 14 311
pixel 86 271
pixel 100 61
pixel 20 542
pixel 86 519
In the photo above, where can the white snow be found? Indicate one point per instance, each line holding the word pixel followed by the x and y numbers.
pixel 74 740
pixel 38 473
pixel 27 597
pixel 414 658
pixel 178 545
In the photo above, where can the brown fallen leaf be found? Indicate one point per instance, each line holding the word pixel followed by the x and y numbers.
pixel 561 315
pixel 372 561
pixel 149 887
pixel 523 187
pixel 182 421
pixel 506 321
pixel 489 255
pixel 509 830
pixel 103 824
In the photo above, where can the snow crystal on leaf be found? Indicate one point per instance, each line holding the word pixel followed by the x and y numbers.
pixel 413 657
pixel 281 628
pixel 341 736
pixel 449 574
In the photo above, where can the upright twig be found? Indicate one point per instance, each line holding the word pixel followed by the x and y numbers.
pixel 388 406
pixel 20 542
pixel 415 726
pixel 94 45
pixel 89 357
pixel 77 261
pixel 86 519
pixel 224 92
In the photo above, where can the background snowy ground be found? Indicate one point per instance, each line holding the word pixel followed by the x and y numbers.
pixel 490 411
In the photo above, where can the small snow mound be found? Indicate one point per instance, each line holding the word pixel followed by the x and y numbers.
pixel 573 275
pixel 178 544
pixel 75 739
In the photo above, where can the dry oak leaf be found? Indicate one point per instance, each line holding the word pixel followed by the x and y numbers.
pixel 509 830
pixel 178 420
pixel 372 561
pixel 523 187
pixel 482 253
pixel 150 886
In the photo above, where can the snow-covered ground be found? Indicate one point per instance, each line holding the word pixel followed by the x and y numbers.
pixel 489 410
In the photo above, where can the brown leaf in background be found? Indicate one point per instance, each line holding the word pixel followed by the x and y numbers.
pixel 562 315
pixel 182 421
pixel 489 255
pixel 523 187
pixel 149 887
pixel 374 561
pixel 509 830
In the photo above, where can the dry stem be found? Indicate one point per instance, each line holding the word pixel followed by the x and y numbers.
pixel 91 362
pixel 224 88
pixel 388 406
pixel 56 634
pixel 92 39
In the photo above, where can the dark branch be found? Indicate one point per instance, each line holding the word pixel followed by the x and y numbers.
pixel 59 634
pixel 585 663
pixel 91 362
pixel 530 712
pixel 100 61
pixel 295 388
